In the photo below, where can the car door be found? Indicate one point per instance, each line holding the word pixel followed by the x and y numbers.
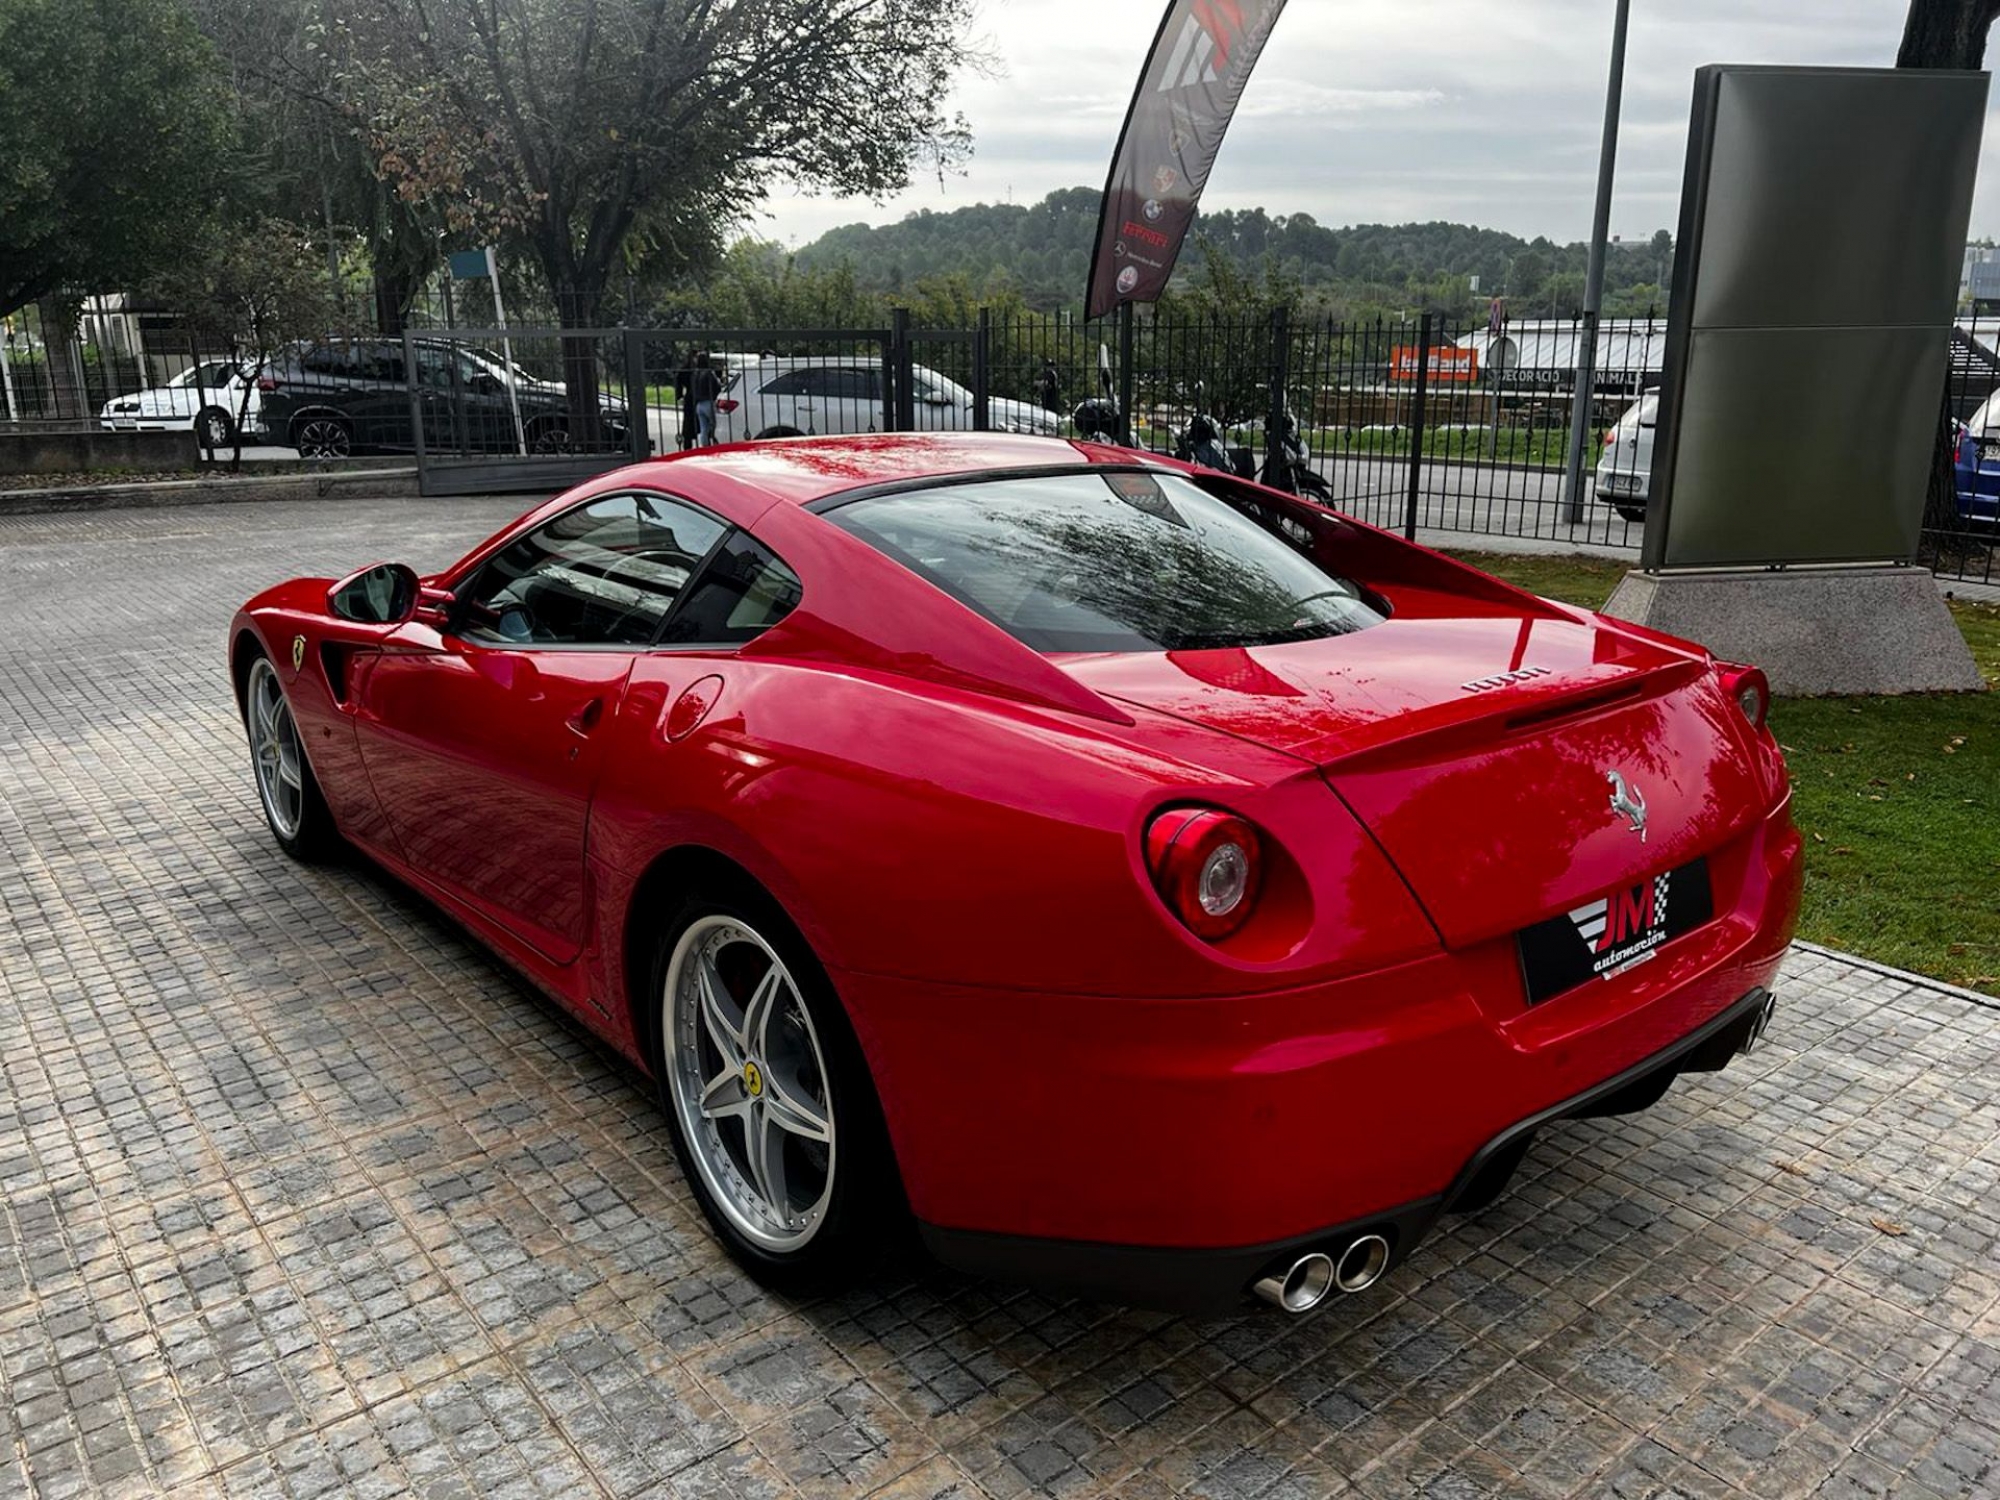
pixel 483 734
pixel 789 400
pixel 851 399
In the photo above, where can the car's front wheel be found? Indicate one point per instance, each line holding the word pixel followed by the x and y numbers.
pixel 286 787
pixel 773 1115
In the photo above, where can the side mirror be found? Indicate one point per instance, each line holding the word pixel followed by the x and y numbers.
pixel 385 594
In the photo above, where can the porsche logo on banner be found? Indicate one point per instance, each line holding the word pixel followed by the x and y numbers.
pixel 1187 93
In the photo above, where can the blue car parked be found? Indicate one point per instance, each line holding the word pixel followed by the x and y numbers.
pixel 1978 463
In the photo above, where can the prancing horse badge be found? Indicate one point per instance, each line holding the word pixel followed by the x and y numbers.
pixel 298 652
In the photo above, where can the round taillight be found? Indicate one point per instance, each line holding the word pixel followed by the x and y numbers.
pixel 1752 692
pixel 1205 864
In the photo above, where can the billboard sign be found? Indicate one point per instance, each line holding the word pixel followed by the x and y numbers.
pixel 1450 365
pixel 1188 90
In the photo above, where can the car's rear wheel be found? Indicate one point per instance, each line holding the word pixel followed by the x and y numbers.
pixel 286 787
pixel 322 437
pixel 550 437
pixel 1636 514
pixel 213 429
pixel 773 1114
pixel 779 432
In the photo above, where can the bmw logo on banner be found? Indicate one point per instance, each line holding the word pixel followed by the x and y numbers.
pixel 1187 93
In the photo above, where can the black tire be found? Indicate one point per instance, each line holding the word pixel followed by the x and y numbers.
pixel 865 1216
pixel 322 435
pixel 1314 485
pixel 1636 514
pixel 311 837
pixel 213 428
pixel 550 437
pixel 779 432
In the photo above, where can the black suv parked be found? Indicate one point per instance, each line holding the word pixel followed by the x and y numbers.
pixel 345 396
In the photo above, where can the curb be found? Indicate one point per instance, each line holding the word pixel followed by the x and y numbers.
pixel 1889 971
pixel 372 484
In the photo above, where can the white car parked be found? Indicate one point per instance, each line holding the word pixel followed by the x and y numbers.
pixel 204 399
pixel 1625 472
pixel 816 395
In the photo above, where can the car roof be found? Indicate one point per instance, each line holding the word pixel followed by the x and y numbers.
pixel 802 470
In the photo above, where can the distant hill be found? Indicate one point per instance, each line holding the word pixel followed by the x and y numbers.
pixel 1043 251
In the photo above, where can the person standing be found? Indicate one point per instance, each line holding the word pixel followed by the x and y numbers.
pixel 707 387
pixel 684 398
pixel 1051 387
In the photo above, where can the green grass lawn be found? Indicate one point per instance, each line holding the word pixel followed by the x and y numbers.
pixel 1899 800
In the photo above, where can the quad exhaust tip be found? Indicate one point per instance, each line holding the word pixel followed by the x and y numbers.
pixel 1362 1263
pixel 1301 1286
pixel 1314 1276
pixel 1762 1024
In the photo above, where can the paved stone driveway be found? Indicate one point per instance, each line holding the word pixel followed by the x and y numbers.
pixel 304 1195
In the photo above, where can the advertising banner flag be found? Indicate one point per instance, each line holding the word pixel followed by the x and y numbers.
pixel 1187 93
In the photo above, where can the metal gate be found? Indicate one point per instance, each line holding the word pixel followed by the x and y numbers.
pixel 494 410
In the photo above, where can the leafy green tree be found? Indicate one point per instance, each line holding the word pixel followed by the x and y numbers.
pixel 113 133
pixel 250 287
pixel 581 126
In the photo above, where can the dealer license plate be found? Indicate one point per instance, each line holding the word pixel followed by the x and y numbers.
pixel 1615 932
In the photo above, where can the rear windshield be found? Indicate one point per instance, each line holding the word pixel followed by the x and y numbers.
pixel 1110 562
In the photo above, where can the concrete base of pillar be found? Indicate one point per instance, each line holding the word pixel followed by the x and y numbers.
pixel 1812 630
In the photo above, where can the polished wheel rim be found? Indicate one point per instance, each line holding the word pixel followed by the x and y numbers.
pixel 274 749
pixel 323 439
pixel 749 1082
pixel 215 431
pixel 552 439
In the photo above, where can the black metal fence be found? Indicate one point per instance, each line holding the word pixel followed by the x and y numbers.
pixel 1417 423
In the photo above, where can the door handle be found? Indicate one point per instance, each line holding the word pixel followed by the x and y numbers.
pixel 585 718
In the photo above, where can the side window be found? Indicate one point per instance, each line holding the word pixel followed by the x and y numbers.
pixel 321 359
pixel 383 362
pixel 851 384
pixel 792 383
pixel 605 573
pixel 743 591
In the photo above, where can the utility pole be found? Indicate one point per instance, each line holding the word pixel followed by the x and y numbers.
pixel 1593 287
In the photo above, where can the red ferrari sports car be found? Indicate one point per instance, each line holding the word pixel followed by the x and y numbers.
pixel 1156 885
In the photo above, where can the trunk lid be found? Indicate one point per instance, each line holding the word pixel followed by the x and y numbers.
pixel 1478 750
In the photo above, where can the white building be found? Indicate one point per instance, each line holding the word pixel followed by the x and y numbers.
pixel 1551 350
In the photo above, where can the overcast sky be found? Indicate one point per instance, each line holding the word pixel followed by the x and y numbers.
pixel 1369 111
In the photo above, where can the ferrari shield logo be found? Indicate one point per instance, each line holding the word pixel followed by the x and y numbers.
pixel 298 652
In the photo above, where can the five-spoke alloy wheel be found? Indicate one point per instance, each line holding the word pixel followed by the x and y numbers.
pixel 773 1112
pixel 274 745
pixel 286 787
pixel 749 1080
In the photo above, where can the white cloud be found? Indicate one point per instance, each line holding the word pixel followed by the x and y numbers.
pixel 1482 111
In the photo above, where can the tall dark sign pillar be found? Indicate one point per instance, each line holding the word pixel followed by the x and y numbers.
pixel 1823 222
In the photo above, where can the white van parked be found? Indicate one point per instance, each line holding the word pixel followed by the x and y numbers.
pixel 815 395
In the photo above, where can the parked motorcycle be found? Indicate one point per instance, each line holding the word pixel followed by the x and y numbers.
pixel 1200 442
pixel 1290 467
